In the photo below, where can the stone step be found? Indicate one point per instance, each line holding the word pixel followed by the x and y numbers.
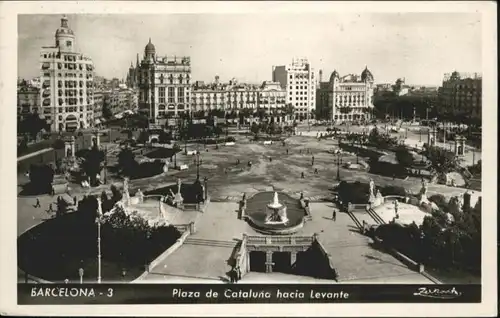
pixel 208 242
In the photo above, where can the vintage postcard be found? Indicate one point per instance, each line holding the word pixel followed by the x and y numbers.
pixel 248 158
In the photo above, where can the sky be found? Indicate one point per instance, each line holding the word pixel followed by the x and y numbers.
pixel 420 47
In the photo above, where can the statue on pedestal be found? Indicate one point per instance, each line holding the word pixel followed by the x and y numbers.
pixel 140 196
pixel 126 194
pixel 372 191
pixel 178 199
pixel 423 193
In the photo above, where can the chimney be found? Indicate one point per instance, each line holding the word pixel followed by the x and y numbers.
pixel 320 76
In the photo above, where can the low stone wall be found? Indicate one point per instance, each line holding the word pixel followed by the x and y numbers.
pixel 417 267
pixel 163 256
pixel 30 279
pixel 326 255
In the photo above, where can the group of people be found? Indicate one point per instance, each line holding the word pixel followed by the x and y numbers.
pixel 51 205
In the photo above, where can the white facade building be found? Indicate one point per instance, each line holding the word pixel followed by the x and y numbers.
pixel 347 98
pixel 66 76
pixel 299 82
pixel 164 85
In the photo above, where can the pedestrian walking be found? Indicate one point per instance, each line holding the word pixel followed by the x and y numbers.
pixel 334 216
pixel 50 208
pixel 312 161
pixel 287 151
pixel 238 273
pixel 302 175
pixel 37 204
pixel 74 200
pixel 315 170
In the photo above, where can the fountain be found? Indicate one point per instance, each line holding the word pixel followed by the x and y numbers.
pixel 276 212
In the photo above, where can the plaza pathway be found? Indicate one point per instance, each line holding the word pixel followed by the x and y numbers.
pixel 218 231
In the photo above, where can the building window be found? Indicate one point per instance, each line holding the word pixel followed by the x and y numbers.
pixel 161 93
pixel 68 43
pixel 171 95
pixel 180 94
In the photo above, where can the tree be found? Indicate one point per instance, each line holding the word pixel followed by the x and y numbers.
pixel 442 160
pixel 143 137
pixel 126 162
pixel 404 157
pixel 92 164
pixel 255 129
pixel 106 110
pixel 41 178
pixel 33 125
pixel 116 195
pixel 289 110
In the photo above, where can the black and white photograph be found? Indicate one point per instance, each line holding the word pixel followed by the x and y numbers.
pixel 251 153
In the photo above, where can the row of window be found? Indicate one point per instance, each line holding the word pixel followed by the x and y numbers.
pixel 70 58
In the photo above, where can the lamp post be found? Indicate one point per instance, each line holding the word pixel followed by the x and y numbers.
pixel 98 221
pixel 80 272
pixel 105 164
pixel 339 161
pixel 198 161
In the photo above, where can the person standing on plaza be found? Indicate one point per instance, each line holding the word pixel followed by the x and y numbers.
pixel 37 204
pixel 50 210
pixel 334 215
pixel 312 161
pixel 74 200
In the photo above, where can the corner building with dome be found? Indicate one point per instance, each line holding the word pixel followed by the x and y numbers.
pixel 67 83
pixel 164 85
pixel 346 98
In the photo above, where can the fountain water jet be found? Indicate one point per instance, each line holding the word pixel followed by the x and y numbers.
pixel 276 212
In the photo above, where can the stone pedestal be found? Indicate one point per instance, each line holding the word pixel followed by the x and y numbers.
pixel 69 147
pixel 431 137
pixel 459 146
pixel 269 262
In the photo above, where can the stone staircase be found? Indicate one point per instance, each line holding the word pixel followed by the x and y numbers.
pixel 208 242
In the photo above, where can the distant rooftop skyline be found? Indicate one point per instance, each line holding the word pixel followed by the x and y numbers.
pixel 421 47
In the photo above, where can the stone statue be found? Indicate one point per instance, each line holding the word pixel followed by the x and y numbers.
pixel 372 187
pixel 99 207
pixel 139 196
pixel 423 191
pixel 179 185
pixel 126 194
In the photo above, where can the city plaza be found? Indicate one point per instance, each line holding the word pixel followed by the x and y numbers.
pixel 245 168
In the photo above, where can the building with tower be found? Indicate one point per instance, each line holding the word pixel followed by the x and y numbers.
pixel 298 80
pixel 164 85
pixel 66 77
pixel 346 98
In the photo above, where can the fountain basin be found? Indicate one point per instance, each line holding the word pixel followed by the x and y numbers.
pixel 257 214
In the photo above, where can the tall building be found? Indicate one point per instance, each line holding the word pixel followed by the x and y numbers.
pixel 299 83
pixel 347 98
pixel 461 94
pixel 66 83
pixel 164 85
pixel 28 100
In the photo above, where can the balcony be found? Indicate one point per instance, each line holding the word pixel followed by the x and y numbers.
pixel 46 93
pixel 46 84
pixel 46 102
